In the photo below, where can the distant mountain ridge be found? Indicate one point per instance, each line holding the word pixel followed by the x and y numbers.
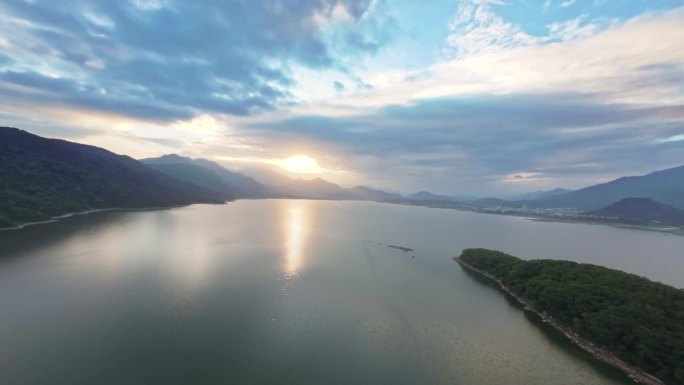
pixel 368 193
pixel 428 196
pixel 666 186
pixel 41 178
pixel 316 188
pixel 640 210
pixel 540 194
pixel 319 188
pixel 214 176
pixel 199 176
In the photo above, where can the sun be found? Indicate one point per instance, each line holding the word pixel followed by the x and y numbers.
pixel 301 164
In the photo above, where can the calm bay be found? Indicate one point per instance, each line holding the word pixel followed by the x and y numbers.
pixel 294 292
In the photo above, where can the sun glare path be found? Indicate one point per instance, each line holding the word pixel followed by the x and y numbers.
pixel 296 234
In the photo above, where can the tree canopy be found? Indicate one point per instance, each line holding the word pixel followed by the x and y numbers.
pixel 640 321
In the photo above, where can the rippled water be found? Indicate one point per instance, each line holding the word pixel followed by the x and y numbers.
pixel 292 292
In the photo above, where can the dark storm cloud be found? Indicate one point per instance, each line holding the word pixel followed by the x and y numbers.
pixel 147 58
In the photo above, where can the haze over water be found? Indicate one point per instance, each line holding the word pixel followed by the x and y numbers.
pixel 293 291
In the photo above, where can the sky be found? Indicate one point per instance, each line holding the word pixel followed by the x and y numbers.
pixel 461 97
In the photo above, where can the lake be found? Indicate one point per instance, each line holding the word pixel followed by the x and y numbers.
pixel 294 292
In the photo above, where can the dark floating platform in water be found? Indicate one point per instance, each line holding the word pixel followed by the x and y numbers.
pixel 402 248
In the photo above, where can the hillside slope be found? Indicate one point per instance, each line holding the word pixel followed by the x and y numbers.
pixel 41 178
pixel 234 183
pixel 641 210
pixel 199 176
pixel 666 186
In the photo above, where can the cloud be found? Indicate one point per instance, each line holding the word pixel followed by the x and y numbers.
pixel 31 87
pixel 224 57
pixel 522 177
pixel 619 60
pixel 5 60
pixel 671 139
pixel 295 165
pixel 476 28
pixel 505 106
pixel 572 29
pixel 34 80
pixel 339 87
pixel 553 136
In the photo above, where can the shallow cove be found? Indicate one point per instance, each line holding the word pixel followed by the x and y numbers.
pixel 292 291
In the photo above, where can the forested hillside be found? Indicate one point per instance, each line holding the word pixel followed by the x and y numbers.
pixel 640 321
pixel 41 178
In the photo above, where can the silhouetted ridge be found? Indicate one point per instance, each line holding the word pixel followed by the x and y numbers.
pixel 211 175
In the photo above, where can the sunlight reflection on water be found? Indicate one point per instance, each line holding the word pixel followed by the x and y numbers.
pixel 296 231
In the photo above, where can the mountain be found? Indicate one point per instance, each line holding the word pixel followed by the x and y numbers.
pixel 540 194
pixel 641 210
pixel 493 202
pixel 319 188
pixel 316 188
pixel 428 196
pixel 199 176
pixel 283 186
pixel 41 178
pixel 241 181
pixel 213 176
pixel 367 193
pixel 666 186
pixel 210 174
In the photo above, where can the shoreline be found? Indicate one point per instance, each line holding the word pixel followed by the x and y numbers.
pixel 93 211
pixel 546 218
pixel 633 372
pixel 665 230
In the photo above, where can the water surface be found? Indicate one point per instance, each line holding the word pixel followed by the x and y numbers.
pixel 292 292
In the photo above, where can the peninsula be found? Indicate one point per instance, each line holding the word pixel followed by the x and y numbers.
pixel 627 321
